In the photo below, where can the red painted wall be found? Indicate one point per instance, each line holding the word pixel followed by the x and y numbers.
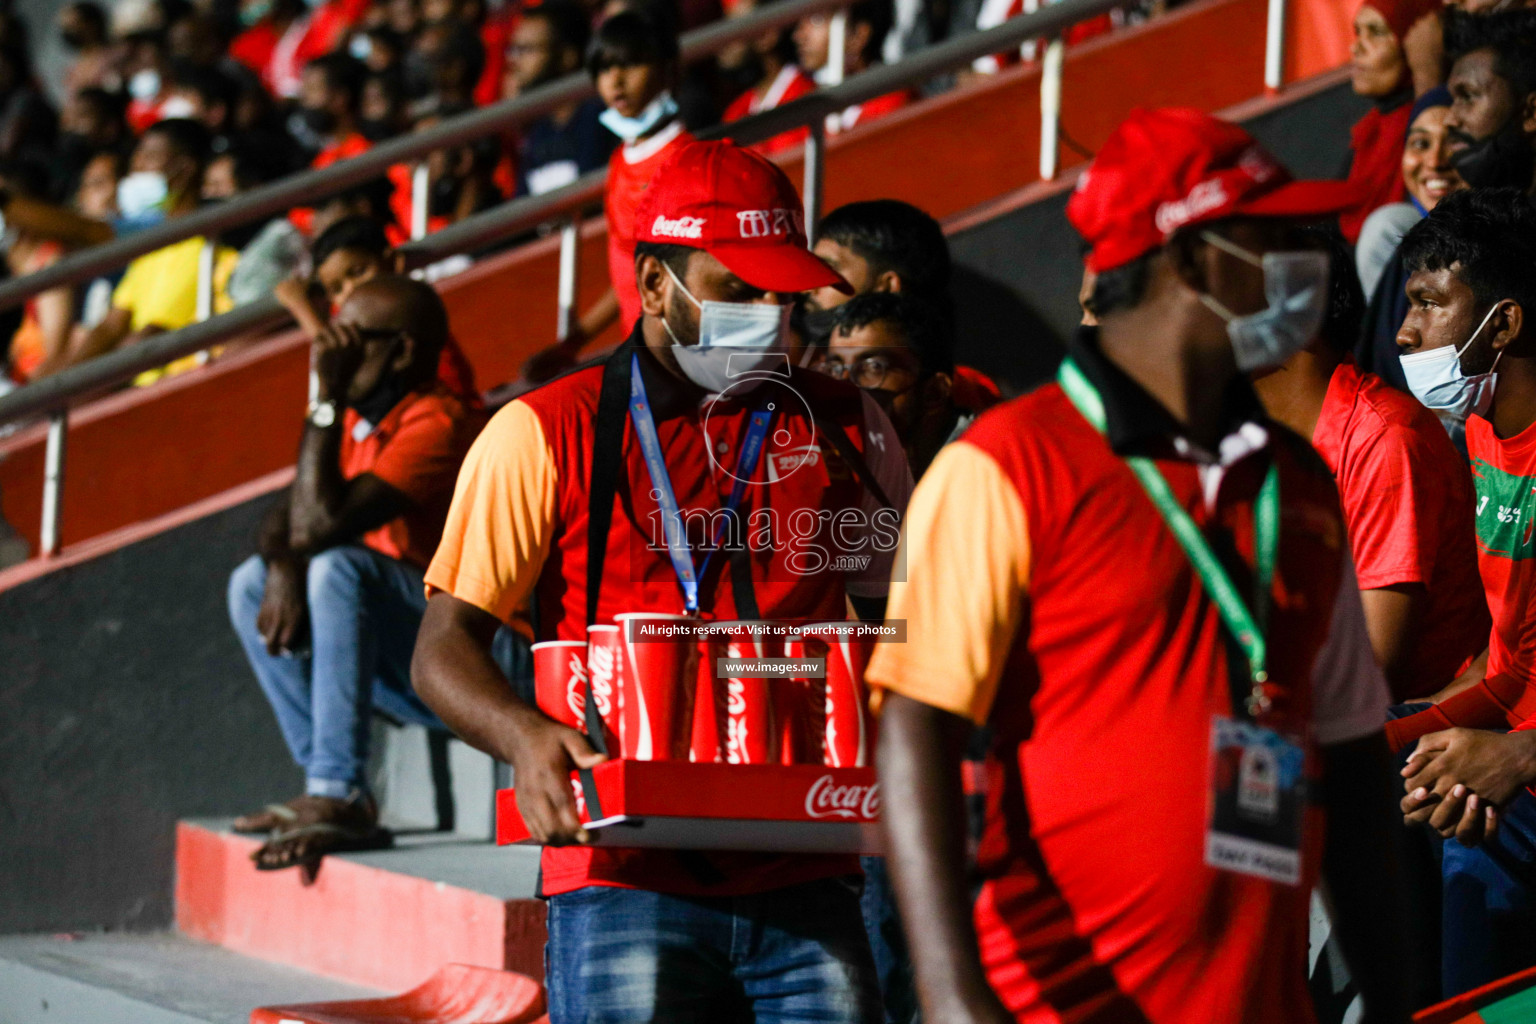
pixel 143 453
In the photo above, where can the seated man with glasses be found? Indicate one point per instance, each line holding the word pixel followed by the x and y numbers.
pixel 328 609
pixel 900 349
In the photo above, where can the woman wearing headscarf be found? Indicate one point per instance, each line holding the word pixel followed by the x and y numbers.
pixel 1427 175
pixel 1379 70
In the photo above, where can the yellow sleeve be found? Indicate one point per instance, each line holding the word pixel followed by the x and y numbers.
pixel 223 269
pixel 502 519
pixel 126 294
pixel 966 557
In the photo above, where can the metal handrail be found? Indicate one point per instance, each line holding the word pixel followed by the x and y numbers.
pixel 54 395
pixel 310 186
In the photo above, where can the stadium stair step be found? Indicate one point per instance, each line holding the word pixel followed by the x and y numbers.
pixel 386 918
pixel 155 978
pixel 456 994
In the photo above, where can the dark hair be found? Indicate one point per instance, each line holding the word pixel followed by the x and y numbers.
pixel 922 324
pixel 92 15
pixel 568 23
pixel 254 165
pixel 630 38
pixel 462 42
pixel 343 73
pixel 896 236
pixel 1510 35
pixel 376 192
pixel 363 234
pixel 111 106
pixel 878 15
pixel 1486 237
pixel 1121 287
pixel 213 87
pixel 26 177
pixel 674 257
pixel 186 136
pixel 1346 299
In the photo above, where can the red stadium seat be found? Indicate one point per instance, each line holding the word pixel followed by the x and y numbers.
pixel 456 994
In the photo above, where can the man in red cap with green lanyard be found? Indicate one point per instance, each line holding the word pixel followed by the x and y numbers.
pixel 699 413
pixel 1142 585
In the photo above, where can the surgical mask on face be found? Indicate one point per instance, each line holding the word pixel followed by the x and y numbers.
pixel 141 192
pixel 738 341
pixel 178 106
pixel 631 128
pixel 1436 379
pixel 144 85
pixel 1296 286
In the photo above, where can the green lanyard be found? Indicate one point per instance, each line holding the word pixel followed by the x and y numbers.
pixel 1246 627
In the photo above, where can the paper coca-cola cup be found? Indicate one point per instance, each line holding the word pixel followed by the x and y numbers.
pixel 800 702
pixel 605 667
pixel 656 689
pixel 560 680
pixel 744 704
pixel 850 728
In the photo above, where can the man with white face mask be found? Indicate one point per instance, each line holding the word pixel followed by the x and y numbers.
pixel 563 499
pixel 1141 584
pixel 1467 348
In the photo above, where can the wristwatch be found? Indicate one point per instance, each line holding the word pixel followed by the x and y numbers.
pixel 322 414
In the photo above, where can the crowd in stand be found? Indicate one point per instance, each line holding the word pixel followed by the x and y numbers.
pixel 169 105
pixel 1237 608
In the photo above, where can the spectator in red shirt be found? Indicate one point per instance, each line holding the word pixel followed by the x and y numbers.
pixel 868 23
pixel 1470 283
pixel 1060 565
pixel 1379 71
pixel 765 69
pixel 328 610
pixel 1407 498
pixel 633 59
pixel 325 121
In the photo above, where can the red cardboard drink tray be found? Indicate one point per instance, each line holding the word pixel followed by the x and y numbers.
pixel 802 808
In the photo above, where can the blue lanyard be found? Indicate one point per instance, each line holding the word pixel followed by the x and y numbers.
pixel 656 466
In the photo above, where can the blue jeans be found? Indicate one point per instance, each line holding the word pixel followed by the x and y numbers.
pixel 893 964
pixel 365 610
pixel 624 956
pixel 1489 902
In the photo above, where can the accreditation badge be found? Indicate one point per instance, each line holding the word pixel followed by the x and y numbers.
pixel 1258 801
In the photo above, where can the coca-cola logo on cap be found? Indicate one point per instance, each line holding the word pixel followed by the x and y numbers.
pixel 826 799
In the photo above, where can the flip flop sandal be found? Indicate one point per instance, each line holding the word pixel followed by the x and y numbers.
pixel 281 815
pixel 333 839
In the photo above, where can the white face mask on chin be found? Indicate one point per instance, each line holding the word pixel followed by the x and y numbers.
pixel 738 343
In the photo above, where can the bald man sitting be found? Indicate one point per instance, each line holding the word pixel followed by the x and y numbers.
pixel 328 610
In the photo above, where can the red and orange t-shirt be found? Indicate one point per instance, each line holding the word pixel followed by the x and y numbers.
pixel 1045 596
pixel 417 448
pixel 518 528
pixel 1408 506
pixel 630 171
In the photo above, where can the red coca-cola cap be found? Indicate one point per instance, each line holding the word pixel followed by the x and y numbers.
pixel 741 209
pixel 1162 170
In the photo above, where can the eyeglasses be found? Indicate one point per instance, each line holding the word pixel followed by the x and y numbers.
pixel 865 372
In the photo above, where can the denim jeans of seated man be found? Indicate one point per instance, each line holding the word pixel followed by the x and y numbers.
pixel 797 955
pixel 1487 897
pixel 365 610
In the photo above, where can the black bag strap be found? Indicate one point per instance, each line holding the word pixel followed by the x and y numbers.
pixel 844 447
pixel 603 486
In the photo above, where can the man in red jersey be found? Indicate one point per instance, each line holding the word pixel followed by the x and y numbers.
pixel 1407 499
pixel 641 935
pixel 765 69
pixel 633 61
pixel 1470 283
pixel 1142 585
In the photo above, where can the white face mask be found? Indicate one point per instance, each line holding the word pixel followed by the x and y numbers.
pixel 738 342
pixel 1296 285
pixel 631 128
pixel 141 192
pixel 1436 379
pixel 144 85
pixel 178 106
